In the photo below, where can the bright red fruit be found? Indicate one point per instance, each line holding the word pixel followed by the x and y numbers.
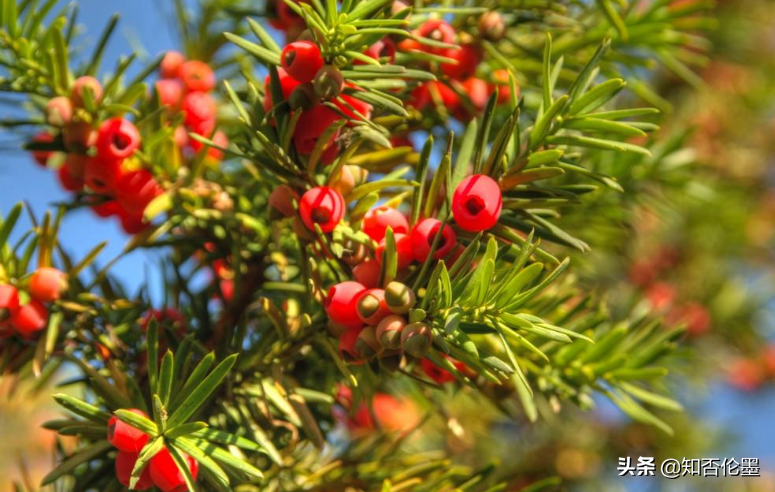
pixel 200 112
pixel 68 181
pixel 287 85
pixel 367 273
pixel 468 58
pixel 311 125
pixel 347 344
pixel 101 175
pixel 136 189
pixel 106 209
pixel 9 302
pixel 352 104
pixel 323 206
pixel 197 76
pixel 30 318
pixel 80 85
pixel 125 463
pixel 165 472
pixel 47 284
pixel 437 30
pixel 171 64
pixel 378 219
pixel 41 156
pixel 302 60
pixel 478 92
pixel 170 93
pixel 117 139
pixel 423 236
pixel 404 250
pixel 341 303
pixel 436 93
pixel 371 306
pixel 436 373
pixel 124 437
pixel 132 222
pixel 384 48
pixel 477 203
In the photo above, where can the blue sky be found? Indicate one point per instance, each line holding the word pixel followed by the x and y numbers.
pixel 750 416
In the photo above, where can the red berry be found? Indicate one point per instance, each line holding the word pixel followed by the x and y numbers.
pixel 76 164
pixel 41 156
pixel 341 303
pixel 436 373
pixel 438 30
pixel 477 203
pixel 302 60
pixel 9 302
pixel 500 78
pixel 101 175
pixel 347 342
pixel 132 222
pixel 68 181
pixel 117 139
pixel 125 463
pixel 281 199
pixel 197 76
pixel 47 284
pixel 436 93
pixel 384 48
pixel 107 208
pixel 367 273
pixel 136 189
pixel 424 235
pixel 312 123
pixel 404 250
pixel 323 206
pixel 171 64
pixel 378 219
pixel 372 307
pixel 124 437
pixel 200 112
pixel 351 105
pixel 170 93
pixel 30 318
pixel 468 58
pixel 165 472
pixel 78 137
pixel 82 84
pixel 478 92
pixel 166 315
pixel 287 85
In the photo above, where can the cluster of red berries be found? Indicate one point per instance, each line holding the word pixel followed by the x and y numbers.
pixel 99 156
pixel 750 373
pixel 186 86
pixel 161 471
pixel 306 82
pixel 27 318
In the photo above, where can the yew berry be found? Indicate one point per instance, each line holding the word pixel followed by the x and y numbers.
pixel 389 331
pixel 467 57
pixel 83 84
pixel 9 302
pixel 200 112
pixel 478 91
pixel 59 111
pixel 492 26
pixel 378 219
pixel 47 284
pixel 165 472
pixel 29 318
pixel 166 315
pixel 436 93
pixel 384 48
pixel 106 209
pixel 328 82
pixel 197 76
pixel 78 137
pixel 367 273
pixel 41 156
pixel 281 200
pixel 132 222
pixel 311 125
pixel 68 181
pixel 287 85
pixel 477 203
pixel 170 93
pixel 436 373
pixel 117 139
pixel 76 164
pixel 352 107
pixel 287 18
pixel 416 339
pixel 323 206
pixel 341 303
pixel 500 79
pixel 424 235
pixel 136 189
pixel 404 250
pixel 366 345
pixel 437 30
pixel 171 64
pixel 125 463
pixel 347 341
pixel 372 307
pixel 302 60
pixel 101 175
pixel 124 437
pixel 399 298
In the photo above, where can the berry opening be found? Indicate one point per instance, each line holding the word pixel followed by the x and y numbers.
pixel 321 216
pixel 121 141
pixel 474 205
pixel 432 237
pixel 290 55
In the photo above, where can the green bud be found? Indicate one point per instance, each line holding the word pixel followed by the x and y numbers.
pixel 389 331
pixel 302 97
pixel 399 297
pixel 328 82
pixel 416 339
pixel 368 305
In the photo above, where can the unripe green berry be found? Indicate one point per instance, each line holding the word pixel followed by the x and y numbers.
pixel 416 339
pixel 399 298
pixel 367 346
pixel 303 97
pixel 328 82
pixel 389 331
